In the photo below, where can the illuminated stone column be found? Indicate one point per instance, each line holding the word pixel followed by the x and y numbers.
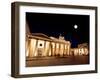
pixel 81 51
pixel 36 48
pixel 27 40
pixel 47 46
pixel 50 49
pixel 27 48
pixel 32 46
pixel 44 49
pixel 86 51
pixel 68 48
pixel 61 49
pixel 53 48
pixel 64 49
pixel 76 52
pixel 57 49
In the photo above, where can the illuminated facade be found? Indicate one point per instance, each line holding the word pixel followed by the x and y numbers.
pixel 79 51
pixel 38 45
pixel 82 49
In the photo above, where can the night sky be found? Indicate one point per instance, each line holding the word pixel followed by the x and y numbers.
pixel 56 24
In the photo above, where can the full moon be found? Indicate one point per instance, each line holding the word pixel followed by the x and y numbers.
pixel 75 26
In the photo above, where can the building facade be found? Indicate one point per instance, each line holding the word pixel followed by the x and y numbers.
pixel 39 44
pixel 79 51
pixel 83 49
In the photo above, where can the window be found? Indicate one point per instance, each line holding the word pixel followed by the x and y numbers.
pixel 40 44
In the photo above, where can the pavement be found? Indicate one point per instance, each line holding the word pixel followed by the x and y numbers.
pixel 56 61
